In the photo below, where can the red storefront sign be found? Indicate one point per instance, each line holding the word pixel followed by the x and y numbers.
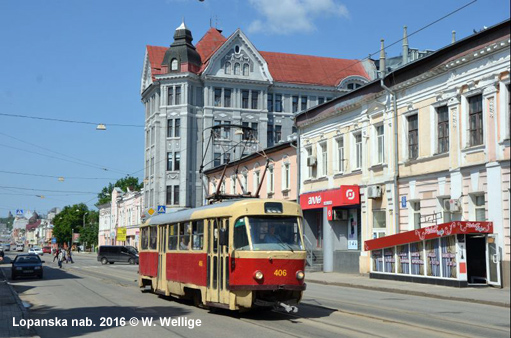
pixel 345 195
pixel 435 231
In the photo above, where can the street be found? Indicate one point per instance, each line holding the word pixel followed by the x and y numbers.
pixel 102 295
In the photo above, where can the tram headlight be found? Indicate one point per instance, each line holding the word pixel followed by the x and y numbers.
pixel 258 275
pixel 300 275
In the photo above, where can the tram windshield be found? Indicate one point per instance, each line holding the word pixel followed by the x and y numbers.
pixel 273 234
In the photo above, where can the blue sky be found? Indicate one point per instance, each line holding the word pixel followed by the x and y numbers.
pixel 82 61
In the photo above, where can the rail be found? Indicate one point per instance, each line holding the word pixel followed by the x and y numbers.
pixel 310 254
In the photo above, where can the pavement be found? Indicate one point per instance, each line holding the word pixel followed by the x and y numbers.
pixel 12 307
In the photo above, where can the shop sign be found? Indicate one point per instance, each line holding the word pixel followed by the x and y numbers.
pixel 345 195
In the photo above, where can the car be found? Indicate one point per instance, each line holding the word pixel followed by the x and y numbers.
pixel 35 250
pixel 117 253
pixel 27 265
pixel 47 249
pixel 20 247
pixel 6 246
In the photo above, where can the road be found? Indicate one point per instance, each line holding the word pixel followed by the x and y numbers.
pixel 89 290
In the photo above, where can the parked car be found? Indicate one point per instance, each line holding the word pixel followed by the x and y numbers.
pixel 20 247
pixel 117 253
pixel 6 246
pixel 36 250
pixel 27 265
pixel 47 249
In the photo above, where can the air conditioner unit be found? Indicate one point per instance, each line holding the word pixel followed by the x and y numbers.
pixel 312 161
pixel 374 191
pixel 340 215
pixel 452 205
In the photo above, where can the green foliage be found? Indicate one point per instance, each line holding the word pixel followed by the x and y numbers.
pixel 69 219
pixel 8 221
pixel 89 234
pixel 127 182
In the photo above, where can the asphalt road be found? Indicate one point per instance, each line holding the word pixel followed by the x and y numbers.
pixel 102 295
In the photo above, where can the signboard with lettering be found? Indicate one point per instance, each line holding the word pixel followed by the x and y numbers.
pixel 345 195
pixel 121 234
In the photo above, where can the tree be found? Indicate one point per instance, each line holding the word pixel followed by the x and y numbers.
pixel 124 183
pixel 69 219
pixel 89 234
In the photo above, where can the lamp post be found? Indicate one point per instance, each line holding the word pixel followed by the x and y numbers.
pixel 83 227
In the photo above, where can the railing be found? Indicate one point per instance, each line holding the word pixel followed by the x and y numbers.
pixel 310 254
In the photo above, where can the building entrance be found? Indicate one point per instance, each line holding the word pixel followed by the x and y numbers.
pixel 476 259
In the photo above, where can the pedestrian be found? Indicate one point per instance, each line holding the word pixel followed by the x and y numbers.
pixel 64 255
pixel 60 257
pixel 70 257
pixel 2 254
pixel 55 254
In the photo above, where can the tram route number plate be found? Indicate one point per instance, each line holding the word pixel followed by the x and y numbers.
pixel 280 273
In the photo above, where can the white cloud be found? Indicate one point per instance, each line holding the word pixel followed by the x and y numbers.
pixel 290 16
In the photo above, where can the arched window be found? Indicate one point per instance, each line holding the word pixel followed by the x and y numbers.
pixel 227 68
pixel 236 69
pixel 173 64
pixel 245 69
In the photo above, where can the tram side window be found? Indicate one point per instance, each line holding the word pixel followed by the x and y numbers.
pixel 153 235
pixel 240 235
pixel 145 239
pixel 198 235
pixel 184 234
pixel 173 237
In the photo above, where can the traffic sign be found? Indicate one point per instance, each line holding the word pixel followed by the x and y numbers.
pixel 53 240
pixel 19 212
pixel 150 211
pixel 161 209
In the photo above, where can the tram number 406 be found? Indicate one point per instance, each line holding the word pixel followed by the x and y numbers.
pixel 280 273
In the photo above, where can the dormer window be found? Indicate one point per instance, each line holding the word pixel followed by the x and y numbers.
pixel 237 69
pixel 227 68
pixel 237 49
pixel 173 64
pixel 245 69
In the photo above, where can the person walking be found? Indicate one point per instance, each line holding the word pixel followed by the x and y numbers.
pixel 1 255
pixel 60 257
pixel 56 254
pixel 69 256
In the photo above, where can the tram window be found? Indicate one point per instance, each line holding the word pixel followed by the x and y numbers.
pixel 240 235
pixel 184 235
pixel 198 235
pixel 215 236
pixel 153 235
pixel 145 239
pixel 173 237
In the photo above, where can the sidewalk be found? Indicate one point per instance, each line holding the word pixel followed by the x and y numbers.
pixel 11 307
pixel 482 295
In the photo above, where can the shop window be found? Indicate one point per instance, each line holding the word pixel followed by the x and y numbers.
pixel 389 259
pixel 433 257
pixel 403 259
pixel 377 258
pixel 379 223
pixel 417 260
pixel 449 266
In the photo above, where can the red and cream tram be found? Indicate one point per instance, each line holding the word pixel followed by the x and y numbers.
pixel 235 255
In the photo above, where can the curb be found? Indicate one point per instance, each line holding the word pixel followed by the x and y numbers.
pixel 24 312
pixel 412 293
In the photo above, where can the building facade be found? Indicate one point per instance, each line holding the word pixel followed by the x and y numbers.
pixel 188 89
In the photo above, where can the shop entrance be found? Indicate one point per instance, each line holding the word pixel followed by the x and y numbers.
pixel 476 259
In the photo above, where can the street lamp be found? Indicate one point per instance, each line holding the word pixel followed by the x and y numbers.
pixel 83 227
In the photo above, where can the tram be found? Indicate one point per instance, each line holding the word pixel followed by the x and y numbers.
pixel 236 255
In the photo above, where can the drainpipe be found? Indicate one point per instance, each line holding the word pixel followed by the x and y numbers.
pixel 396 156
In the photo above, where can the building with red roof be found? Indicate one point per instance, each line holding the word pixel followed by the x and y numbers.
pixel 225 80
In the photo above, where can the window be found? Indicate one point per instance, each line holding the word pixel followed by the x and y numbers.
pixel 270 135
pixel 217 130
pixel 294 104
pixel 145 238
pixel 170 127
pixel 340 154
pixel 168 199
pixel 178 95
pixel 246 132
pixel 227 68
pixel 177 128
pixel 271 181
pixel 244 98
pixel 227 158
pixel 304 102
pixel 217 159
pixel 321 100
pixel 173 237
pixel 245 182
pixel 479 204
pixel 379 223
pixel 169 161
pixel 176 195
pixel 198 235
pixel 287 176
pixel 443 129
pixel 270 102
pixel 416 209
pixel 278 134
pixel 177 161
pixel 245 69
pixel 184 236
pixel 233 184
pixel 278 103
pixel 413 136
pixel 255 132
pixel 358 150
pixel 174 64
pixel 256 178
pixel 381 143
pixel 227 131
pixel 227 97
pixel 240 235
pixel 309 154
pixel 255 99
pixel 237 69
pixel 153 232
pixel 475 115
pixel 324 158
pixel 170 96
pixel 152 166
pixel 218 97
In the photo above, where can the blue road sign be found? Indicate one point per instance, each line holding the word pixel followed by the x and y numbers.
pixel 403 202
pixel 19 212
pixel 162 209
pixel 53 240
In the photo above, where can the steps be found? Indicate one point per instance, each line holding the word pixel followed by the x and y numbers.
pixel 317 261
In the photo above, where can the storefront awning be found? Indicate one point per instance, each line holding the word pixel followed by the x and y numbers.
pixel 435 231
pixel 346 195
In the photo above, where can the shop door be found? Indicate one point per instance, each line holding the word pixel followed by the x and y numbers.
pixel 493 261
pixel 162 261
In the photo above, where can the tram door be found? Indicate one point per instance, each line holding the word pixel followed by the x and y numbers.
pixel 162 261
pixel 217 263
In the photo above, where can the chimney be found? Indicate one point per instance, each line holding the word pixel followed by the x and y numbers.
pixel 405 46
pixel 382 60
pixel 453 37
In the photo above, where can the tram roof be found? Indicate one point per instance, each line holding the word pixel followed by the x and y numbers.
pixel 186 214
